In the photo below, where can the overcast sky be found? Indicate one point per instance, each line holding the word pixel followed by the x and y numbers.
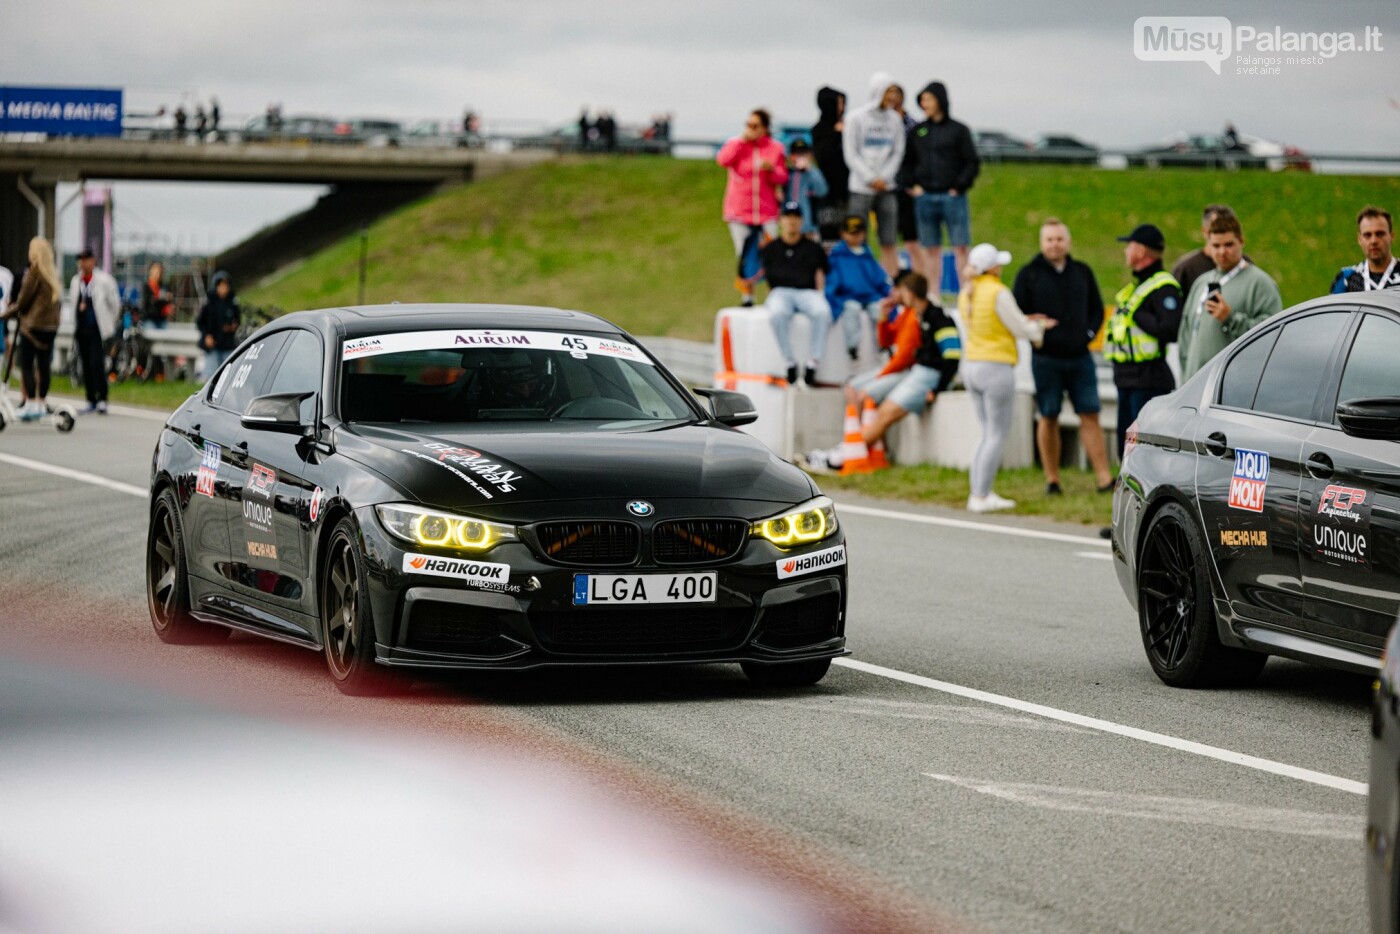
pixel 1020 65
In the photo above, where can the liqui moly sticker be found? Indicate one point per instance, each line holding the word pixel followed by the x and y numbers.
pixel 1249 480
pixel 575 344
pixel 811 563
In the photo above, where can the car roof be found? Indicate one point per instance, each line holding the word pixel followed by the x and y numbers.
pixel 1383 300
pixel 361 320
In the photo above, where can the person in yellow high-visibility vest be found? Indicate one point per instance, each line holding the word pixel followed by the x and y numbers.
pixel 1146 317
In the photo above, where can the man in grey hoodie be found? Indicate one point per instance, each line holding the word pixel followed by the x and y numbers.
pixel 873 144
pixel 940 165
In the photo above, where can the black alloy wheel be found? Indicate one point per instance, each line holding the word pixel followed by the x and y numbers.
pixel 346 622
pixel 1176 612
pixel 167 579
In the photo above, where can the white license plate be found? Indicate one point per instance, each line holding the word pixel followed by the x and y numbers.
pixel 606 589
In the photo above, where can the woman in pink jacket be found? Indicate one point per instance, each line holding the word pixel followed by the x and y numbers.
pixel 757 171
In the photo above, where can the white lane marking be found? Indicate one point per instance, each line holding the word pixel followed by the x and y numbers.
pixel 1118 729
pixel 78 475
pixel 130 411
pixel 1093 554
pixel 968 524
pixel 1347 827
pixel 943 713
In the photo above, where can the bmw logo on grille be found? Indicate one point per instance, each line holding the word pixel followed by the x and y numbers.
pixel 640 508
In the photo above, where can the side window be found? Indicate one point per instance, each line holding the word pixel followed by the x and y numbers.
pixel 242 380
pixel 299 370
pixel 1295 368
pixel 1241 377
pixel 1373 367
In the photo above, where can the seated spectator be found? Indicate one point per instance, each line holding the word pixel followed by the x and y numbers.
pixel 856 284
pixel 796 269
pixel 805 182
pixel 926 351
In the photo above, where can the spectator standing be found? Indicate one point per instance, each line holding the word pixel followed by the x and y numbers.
pixel 908 225
pixel 1378 267
pixel 757 171
pixel 607 131
pixel 1225 302
pixel 939 167
pixel 926 352
pixel 796 268
pixel 873 146
pixel 7 282
pixel 37 308
pixel 97 308
pixel 201 122
pixel 805 184
pixel 826 147
pixel 1060 288
pixel 214 114
pixel 180 118
pixel 585 129
pixel 155 298
pixel 1147 315
pixel 1198 262
pixel 218 322
pixel 856 284
pixel 992 322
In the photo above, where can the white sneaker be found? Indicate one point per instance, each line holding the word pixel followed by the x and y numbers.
pixel 822 461
pixel 989 503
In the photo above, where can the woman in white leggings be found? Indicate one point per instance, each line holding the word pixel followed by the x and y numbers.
pixel 991 323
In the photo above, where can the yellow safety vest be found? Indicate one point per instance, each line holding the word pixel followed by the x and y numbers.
pixel 1124 341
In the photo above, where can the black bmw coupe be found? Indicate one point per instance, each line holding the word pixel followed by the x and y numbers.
pixel 1258 509
pixel 472 487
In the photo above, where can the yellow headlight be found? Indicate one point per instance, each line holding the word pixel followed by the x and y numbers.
pixel 432 530
pixel 421 526
pixel 810 522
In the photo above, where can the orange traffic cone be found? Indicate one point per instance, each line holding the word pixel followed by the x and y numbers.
pixel 876 458
pixel 855 457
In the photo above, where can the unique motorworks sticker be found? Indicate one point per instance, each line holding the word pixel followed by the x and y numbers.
pixel 1341 526
pixel 1241 536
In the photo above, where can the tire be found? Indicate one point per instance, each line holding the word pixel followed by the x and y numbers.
pixel 167 580
pixel 1176 609
pixel 347 624
pixel 790 675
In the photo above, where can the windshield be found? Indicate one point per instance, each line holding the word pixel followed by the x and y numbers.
pixel 502 376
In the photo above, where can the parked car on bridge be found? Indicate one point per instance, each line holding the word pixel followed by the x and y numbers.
pixel 438 133
pixel 1065 149
pixel 371 131
pixel 996 146
pixel 477 487
pixel 1257 512
pixel 301 129
pixel 1207 151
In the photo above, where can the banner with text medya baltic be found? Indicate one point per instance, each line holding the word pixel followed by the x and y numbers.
pixel 61 111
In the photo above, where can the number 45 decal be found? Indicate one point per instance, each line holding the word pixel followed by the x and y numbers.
pixel 574 343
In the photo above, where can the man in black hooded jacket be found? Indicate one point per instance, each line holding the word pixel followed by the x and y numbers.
pixel 940 165
pixel 826 147
pixel 218 322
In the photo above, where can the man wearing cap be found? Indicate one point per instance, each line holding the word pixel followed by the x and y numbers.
pixel 856 283
pixel 1146 315
pixel 992 322
pixel 92 294
pixel 1225 302
pixel 796 270
pixel 805 182
pixel 1057 285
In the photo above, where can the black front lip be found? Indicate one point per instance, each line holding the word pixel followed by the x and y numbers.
pixel 748 589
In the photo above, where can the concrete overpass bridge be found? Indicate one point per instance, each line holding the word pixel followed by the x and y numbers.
pixel 31 171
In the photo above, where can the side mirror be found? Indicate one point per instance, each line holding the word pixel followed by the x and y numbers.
pixel 279 412
pixel 729 408
pixel 1371 418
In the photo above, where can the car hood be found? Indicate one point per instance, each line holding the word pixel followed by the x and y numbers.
pixel 496 470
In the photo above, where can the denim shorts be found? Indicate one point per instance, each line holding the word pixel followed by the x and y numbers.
pixel 907 389
pixel 936 212
pixel 1055 376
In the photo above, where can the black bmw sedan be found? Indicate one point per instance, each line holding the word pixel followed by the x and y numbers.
pixel 1258 511
pixel 471 487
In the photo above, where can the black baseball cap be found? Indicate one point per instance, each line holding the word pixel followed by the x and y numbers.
pixel 853 224
pixel 1149 235
pixel 86 254
pixel 792 207
pixel 799 145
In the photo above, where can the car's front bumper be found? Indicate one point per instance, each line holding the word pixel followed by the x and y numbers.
pixel 530 619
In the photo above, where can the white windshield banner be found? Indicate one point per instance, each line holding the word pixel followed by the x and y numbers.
pixel 577 344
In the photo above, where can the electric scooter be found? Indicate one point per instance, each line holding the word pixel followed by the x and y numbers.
pixel 61 415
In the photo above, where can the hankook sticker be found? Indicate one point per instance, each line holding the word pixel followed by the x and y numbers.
pixel 812 562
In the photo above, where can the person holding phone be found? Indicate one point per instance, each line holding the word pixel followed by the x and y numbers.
pixel 1225 302
pixel 1146 317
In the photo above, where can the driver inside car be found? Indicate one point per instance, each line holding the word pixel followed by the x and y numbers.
pixel 516 379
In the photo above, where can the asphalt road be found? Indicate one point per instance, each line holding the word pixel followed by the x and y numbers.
pixel 894 788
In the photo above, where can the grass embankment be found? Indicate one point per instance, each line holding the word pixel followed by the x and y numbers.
pixel 640 241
